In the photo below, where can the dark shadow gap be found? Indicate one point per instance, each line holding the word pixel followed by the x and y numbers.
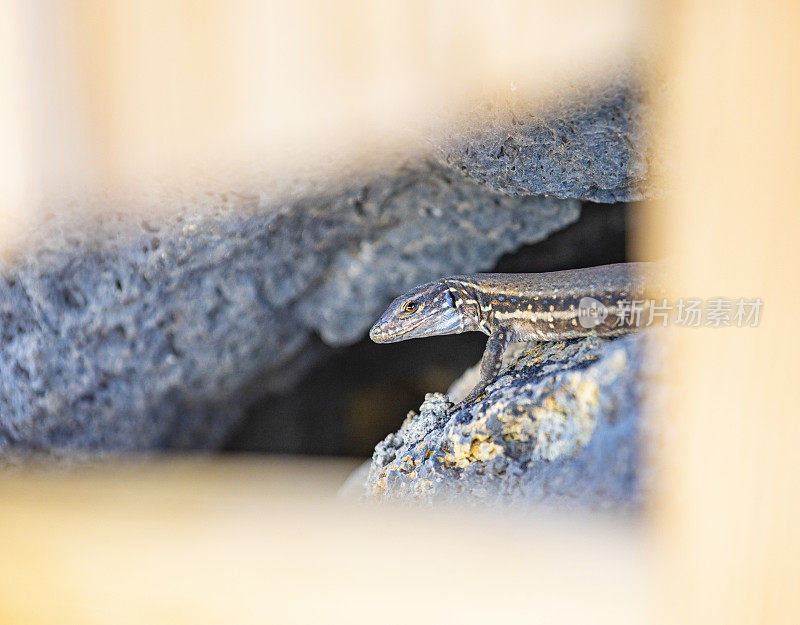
pixel 357 395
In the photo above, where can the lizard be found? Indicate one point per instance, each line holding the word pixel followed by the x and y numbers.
pixel 516 307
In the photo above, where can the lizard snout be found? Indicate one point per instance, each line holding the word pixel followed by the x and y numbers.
pixel 383 333
pixel 376 333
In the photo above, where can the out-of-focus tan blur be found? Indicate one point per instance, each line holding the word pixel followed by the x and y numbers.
pixel 727 510
pixel 255 542
pixel 125 99
pixel 102 97
pixel 146 103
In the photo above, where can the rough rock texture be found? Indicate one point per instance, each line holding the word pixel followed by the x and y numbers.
pixel 560 426
pixel 357 395
pixel 595 149
pixel 156 337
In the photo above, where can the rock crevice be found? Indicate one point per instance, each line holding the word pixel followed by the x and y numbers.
pixel 156 335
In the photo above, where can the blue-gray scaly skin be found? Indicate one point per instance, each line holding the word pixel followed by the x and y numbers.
pixel 516 307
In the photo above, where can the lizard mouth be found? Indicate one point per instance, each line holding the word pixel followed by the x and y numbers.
pixel 390 334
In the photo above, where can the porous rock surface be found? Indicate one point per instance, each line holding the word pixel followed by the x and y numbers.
pixel 595 148
pixel 560 427
pixel 153 334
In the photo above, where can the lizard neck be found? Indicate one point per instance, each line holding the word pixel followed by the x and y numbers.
pixel 472 305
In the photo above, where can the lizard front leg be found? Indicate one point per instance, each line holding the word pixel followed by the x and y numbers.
pixel 491 363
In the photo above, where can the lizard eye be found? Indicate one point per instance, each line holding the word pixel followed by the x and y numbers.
pixel 410 307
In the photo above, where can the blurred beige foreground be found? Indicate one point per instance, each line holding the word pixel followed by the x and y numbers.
pixel 142 105
pixel 173 543
pixel 266 542
pixel 728 507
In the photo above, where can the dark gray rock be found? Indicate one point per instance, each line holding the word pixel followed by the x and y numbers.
pixel 560 427
pixel 450 225
pixel 595 148
pixel 156 334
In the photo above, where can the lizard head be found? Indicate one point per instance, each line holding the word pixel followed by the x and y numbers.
pixel 426 310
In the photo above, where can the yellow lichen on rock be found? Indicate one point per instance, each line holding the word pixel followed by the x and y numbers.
pixel 553 422
pixel 517 426
pixel 534 414
pixel 586 394
pixel 571 406
pixel 480 448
